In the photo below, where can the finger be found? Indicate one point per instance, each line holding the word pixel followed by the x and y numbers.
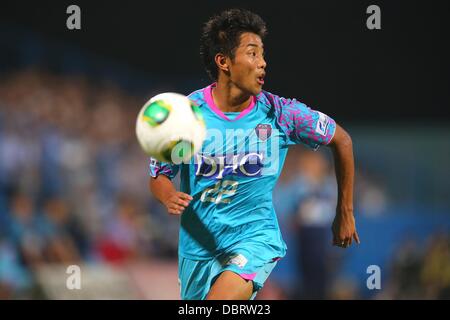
pixel 176 200
pixel 335 241
pixel 177 210
pixel 173 211
pixel 356 237
pixel 180 208
pixel 349 241
pixel 182 202
pixel 184 196
pixel 339 242
pixel 344 242
pixel 176 207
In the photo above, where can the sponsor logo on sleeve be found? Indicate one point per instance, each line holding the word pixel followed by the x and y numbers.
pixel 154 162
pixel 322 124
pixel 238 260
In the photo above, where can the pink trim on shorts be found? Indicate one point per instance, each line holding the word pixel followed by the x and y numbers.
pixel 210 101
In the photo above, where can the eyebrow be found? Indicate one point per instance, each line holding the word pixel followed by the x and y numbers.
pixel 254 45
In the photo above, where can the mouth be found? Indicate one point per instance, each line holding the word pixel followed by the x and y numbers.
pixel 260 80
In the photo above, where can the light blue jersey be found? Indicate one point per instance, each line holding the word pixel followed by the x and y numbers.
pixel 232 177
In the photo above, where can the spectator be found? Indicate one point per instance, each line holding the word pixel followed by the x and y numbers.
pixel 27 231
pixel 313 217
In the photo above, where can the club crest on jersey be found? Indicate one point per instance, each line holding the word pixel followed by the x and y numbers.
pixel 263 131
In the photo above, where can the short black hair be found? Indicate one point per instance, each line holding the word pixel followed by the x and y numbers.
pixel 221 34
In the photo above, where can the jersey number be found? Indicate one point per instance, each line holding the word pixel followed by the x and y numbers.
pixel 221 188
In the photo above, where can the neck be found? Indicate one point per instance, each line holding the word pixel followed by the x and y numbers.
pixel 229 98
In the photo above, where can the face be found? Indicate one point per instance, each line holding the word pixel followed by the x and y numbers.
pixel 247 69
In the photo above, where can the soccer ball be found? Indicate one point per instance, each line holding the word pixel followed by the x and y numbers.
pixel 170 128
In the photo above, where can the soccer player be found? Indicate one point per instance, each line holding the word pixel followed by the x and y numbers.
pixel 229 235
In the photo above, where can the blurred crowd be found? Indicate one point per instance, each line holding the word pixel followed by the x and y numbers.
pixel 305 200
pixel 74 189
pixel 73 181
pixel 427 264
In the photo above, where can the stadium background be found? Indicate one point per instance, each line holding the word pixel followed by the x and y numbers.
pixel 73 181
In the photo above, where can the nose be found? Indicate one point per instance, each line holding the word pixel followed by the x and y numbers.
pixel 262 63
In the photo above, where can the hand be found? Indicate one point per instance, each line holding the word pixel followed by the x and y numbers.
pixel 344 230
pixel 177 202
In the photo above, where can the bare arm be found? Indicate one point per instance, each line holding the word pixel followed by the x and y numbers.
pixel 344 230
pixel 163 189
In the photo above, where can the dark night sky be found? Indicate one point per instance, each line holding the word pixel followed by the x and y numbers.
pixel 318 51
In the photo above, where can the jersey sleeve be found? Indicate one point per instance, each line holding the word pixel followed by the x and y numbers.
pixel 157 167
pixel 303 124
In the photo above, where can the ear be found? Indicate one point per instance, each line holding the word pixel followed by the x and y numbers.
pixel 222 62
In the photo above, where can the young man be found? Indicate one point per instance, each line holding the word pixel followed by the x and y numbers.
pixel 229 235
